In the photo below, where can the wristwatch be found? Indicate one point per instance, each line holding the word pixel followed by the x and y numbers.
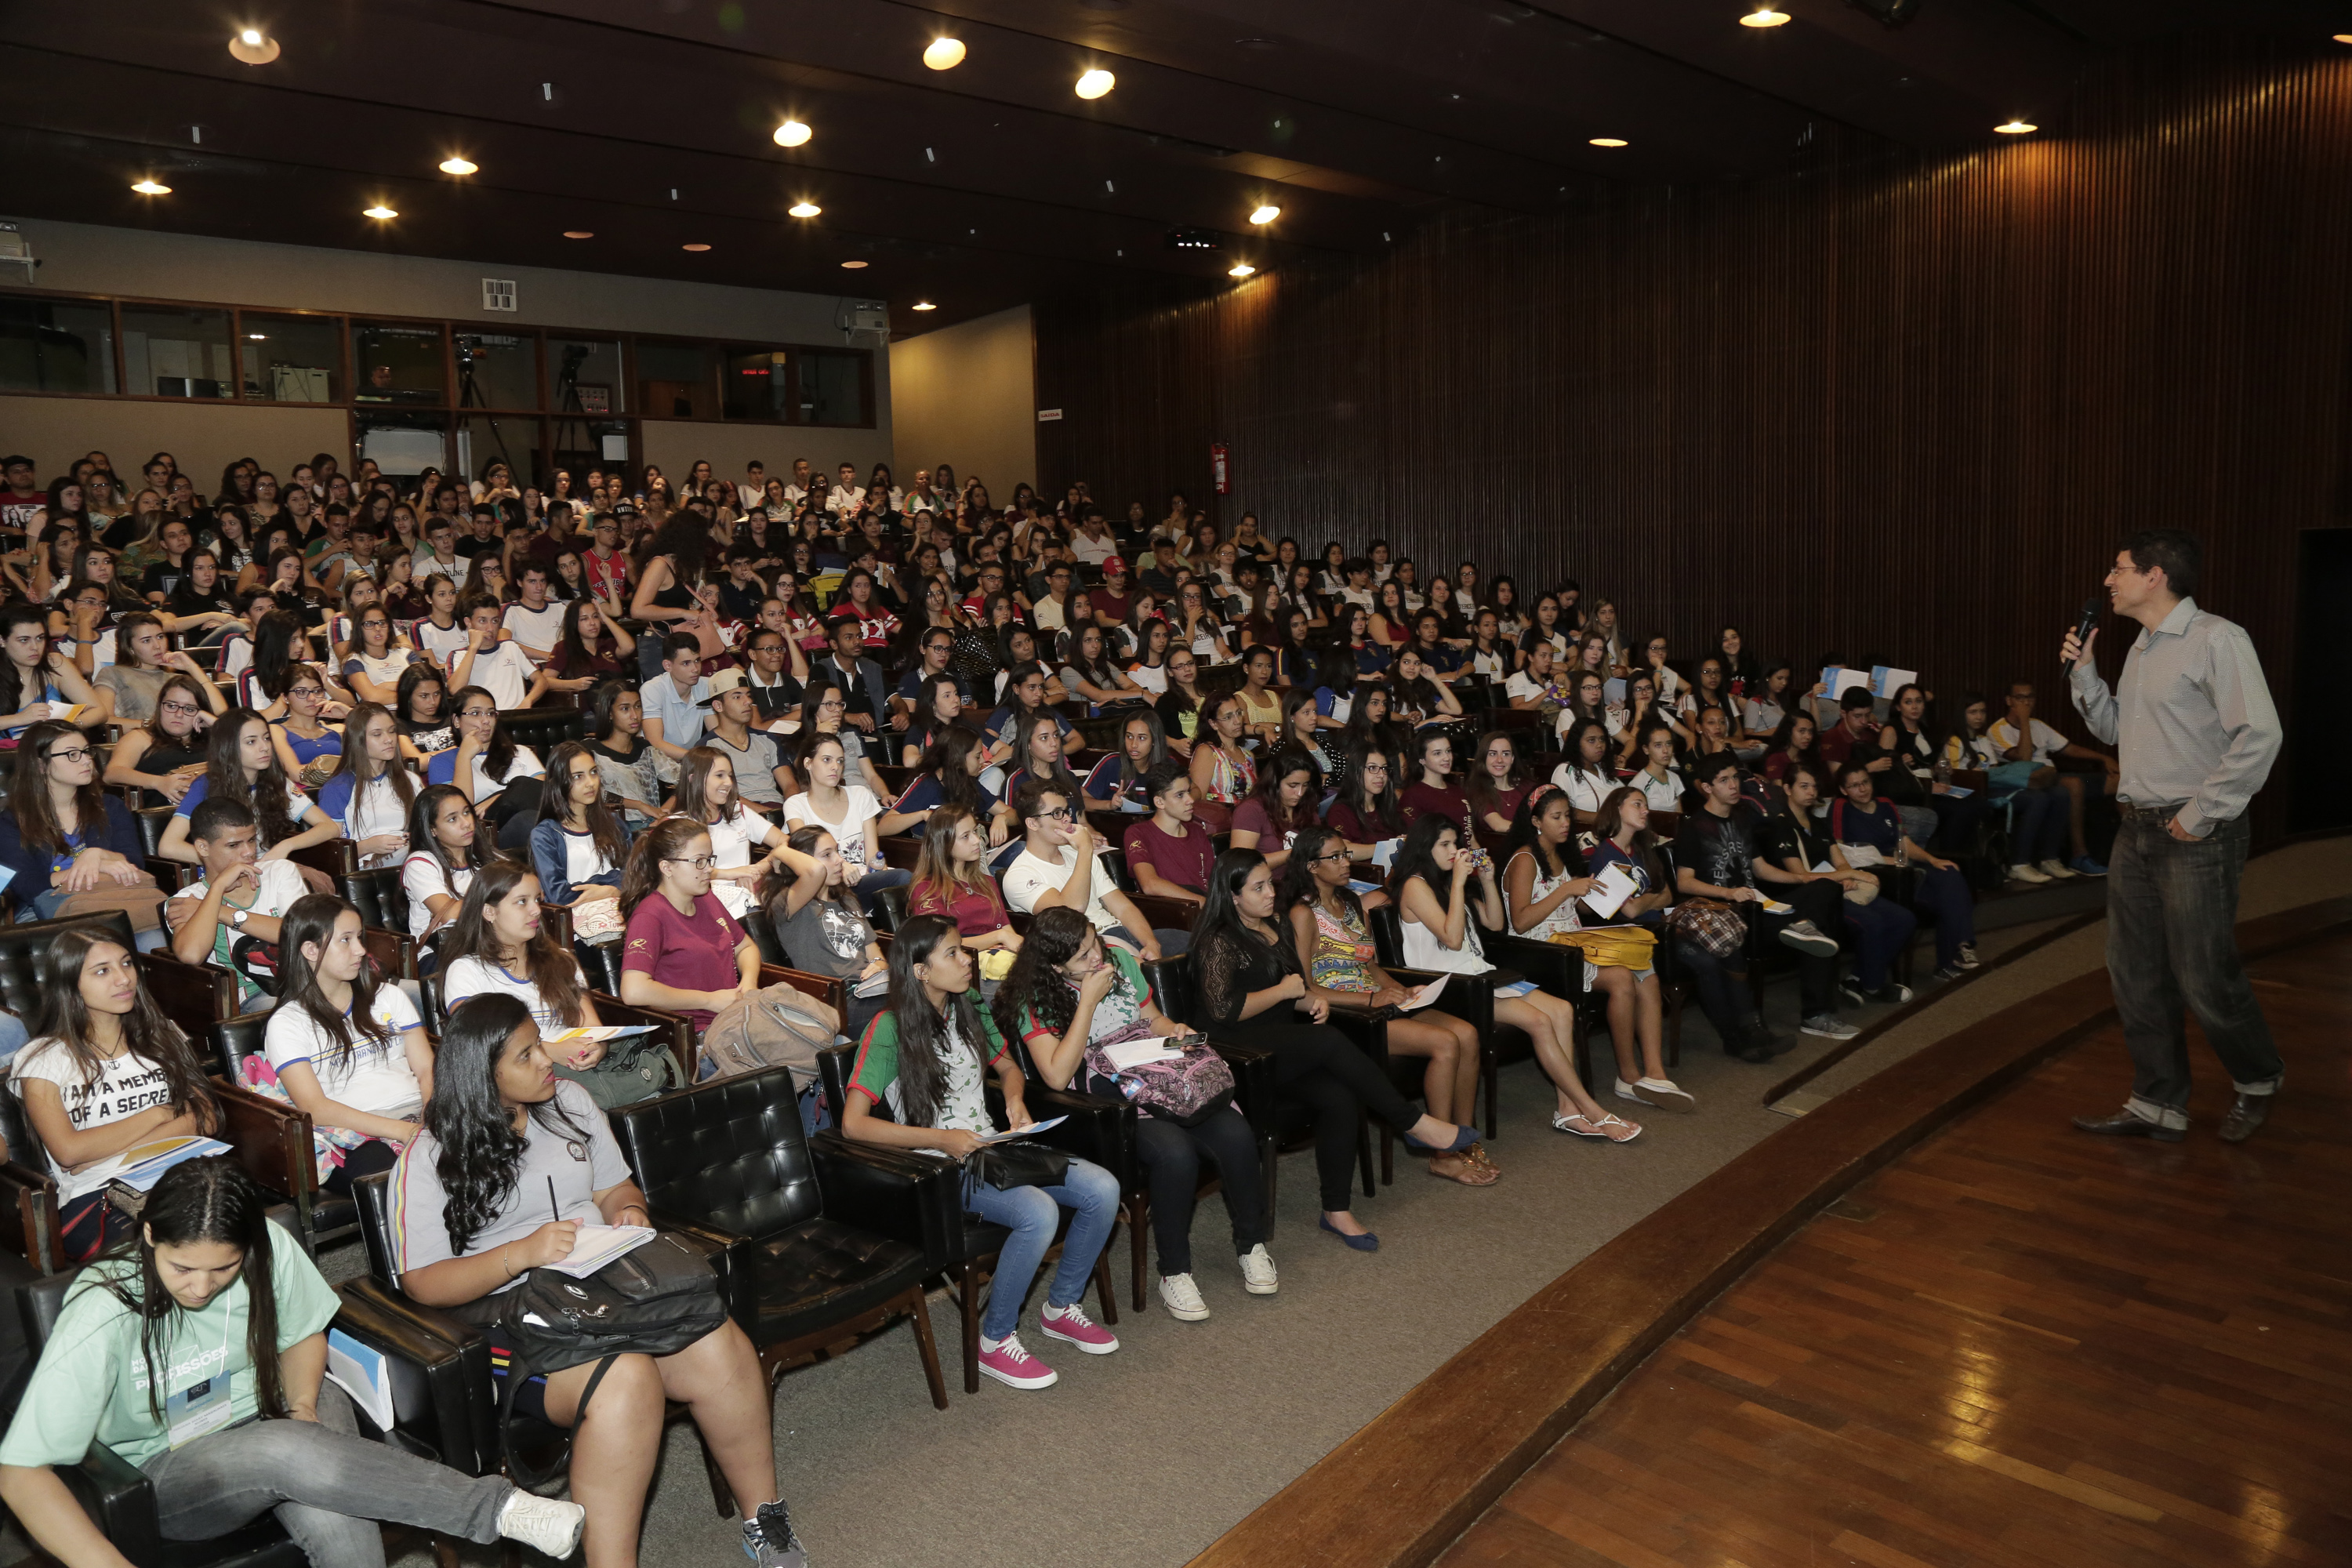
pixel 237 916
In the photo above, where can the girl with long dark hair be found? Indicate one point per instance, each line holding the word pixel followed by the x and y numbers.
pixel 707 794
pixel 230 1317
pixel 33 679
pixel 682 952
pixel 242 765
pixel 162 757
pixel 1497 784
pixel 1223 772
pixel 630 766
pixel 1281 805
pixel 420 707
pixel 1793 742
pixel 949 776
pixel 104 1072
pixel 951 879
pixel 350 1054
pixel 1251 989
pixel 1118 779
pixel 1585 774
pixel 502 943
pixel 928 1059
pixel 578 847
pixel 446 848
pixel 69 847
pixel 470 1213
pixel 1069 995
pixel 372 789
pixel 1368 813
pixel 818 921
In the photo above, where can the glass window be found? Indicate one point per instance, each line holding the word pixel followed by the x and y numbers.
pixel 174 352
pixel 504 370
pixel 832 387
pixel 405 445
pixel 757 385
pixel 676 381
pixel 582 445
pixel 398 364
pixel 56 345
pixel 487 438
pixel 584 376
pixel 292 359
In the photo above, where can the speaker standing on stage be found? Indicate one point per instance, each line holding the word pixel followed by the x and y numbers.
pixel 2193 721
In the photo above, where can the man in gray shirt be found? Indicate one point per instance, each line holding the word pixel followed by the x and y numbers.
pixel 2197 732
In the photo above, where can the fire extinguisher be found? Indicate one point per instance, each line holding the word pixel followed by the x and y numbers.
pixel 1221 468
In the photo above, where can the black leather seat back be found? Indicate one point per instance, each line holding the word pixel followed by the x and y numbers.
pixel 729 1151
pixel 375 1196
pixel 235 1040
pixel 437 1009
pixel 378 898
pixel 24 956
pixel 833 1066
pixel 1388 935
pixel 24 1145
pixel 152 821
pixel 602 962
pixel 544 729
pixel 1172 986
pixel 762 929
pixel 39 1301
pixel 893 914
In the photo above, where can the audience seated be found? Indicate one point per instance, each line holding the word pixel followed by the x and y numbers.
pixel 2020 737
pixel 1881 927
pixel 1862 824
pixel 231 916
pixel 1168 853
pixel 68 846
pixel 1058 865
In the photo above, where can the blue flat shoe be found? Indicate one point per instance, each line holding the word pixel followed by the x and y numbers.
pixel 1367 1242
pixel 1463 1138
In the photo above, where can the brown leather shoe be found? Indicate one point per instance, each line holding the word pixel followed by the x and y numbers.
pixel 2124 1124
pixel 2245 1117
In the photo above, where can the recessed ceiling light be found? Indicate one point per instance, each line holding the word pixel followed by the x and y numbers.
pixel 2016 127
pixel 853 265
pixel 804 209
pixel 792 134
pixel 381 212
pixel 1266 215
pixel 458 166
pixel 150 188
pixel 1095 83
pixel 254 47
pixel 579 233
pixel 259 337
pixel 1608 142
pixel 2344 37
pixel 1240 269
pixel 925 305
pixel 697 245
pixel 944 54
pixel 1767 17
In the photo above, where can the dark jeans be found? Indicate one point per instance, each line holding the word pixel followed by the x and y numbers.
pixel 2172 910
pixel 308 1475
pixel 1880 930
pixel 1956 822
pixel 1945 894
pixel 1724 1007
pixel 1172 943
pixel 1172 1168
pixel 1321 1068
pixel 2037 825
pixel 1823 904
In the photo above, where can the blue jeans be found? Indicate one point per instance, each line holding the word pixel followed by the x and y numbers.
pixel 869 886
pixel 2037 825
pixel 2172 910
pixel 1031 1214
pixel 1945 894
pixel 1881 928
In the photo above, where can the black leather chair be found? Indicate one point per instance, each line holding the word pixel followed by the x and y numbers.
pixel 272 1139
pixel 544 729
pixel 431 1419
pixel 961 1246
pixel 1465 996
pixel 382 904
pixel 548 1445
pixel 893 912
pixel 811 1273
pixel 169 875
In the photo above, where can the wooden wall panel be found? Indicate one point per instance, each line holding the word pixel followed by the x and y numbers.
pixel 1895 406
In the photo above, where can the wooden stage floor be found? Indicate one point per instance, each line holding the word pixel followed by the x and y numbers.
pixel 2018 1344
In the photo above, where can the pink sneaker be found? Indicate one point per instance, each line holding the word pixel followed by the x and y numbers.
pixel 1009 1363
pixel 1072 1323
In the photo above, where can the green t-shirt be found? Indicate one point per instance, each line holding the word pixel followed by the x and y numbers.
pixel 963 1106
pixel 91 1382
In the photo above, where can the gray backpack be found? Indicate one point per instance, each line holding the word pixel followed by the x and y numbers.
pixel 777 1026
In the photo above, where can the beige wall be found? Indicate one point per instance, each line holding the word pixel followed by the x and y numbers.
pixel 672 446
pixel 205 437
pixel 967 394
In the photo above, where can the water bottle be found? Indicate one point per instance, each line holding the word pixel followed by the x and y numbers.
pixel 1942 771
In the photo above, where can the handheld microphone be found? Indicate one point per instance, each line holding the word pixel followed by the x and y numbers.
pixel 2091 608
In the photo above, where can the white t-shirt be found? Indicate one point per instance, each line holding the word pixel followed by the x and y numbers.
pixel 439 646
pixel 123 1088
pixel 1667 797
pixel 386 671
pixel 849 832
pixel 504 672
pixel 1152 680
pixel 1093 551
pixel 471 976
pixel 421 874
pixel 730 845
pixel 375 1077
pixel 2047 742
pixel 236 654
pixel 1028 876
pixel 1585 791
pixel 280 884
pixel 523 764
pixel 540 628
pixel 1522 687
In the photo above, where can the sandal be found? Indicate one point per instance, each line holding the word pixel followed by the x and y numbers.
pixel 1617 1130
pixel 1578 1124
pixel 1477 1154
pixel 1463 1169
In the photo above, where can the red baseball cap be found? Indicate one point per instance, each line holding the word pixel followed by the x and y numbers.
pixel 1114 564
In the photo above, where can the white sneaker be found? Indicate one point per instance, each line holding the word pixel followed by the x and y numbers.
pixel 1257 1271
pixel 542 1523
pixel 1184 1298
pixel 2058 870
pixel 1829 1026
pixel 1663 1094
pixel 1807 938
pixel 2027 874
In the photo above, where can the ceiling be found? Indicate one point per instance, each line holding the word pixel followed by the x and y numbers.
pixel 648 122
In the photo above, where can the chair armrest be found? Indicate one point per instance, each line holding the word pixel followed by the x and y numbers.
pixel 1470 997
pixel 1098 1128
pixel 730 1259
pixel 169 875
pixel 671 1028
pixel 195 994
pixel 1557 969
pixel 1254 1086
pixel 271 1141
pixel 31 1197
pixel 120 1500
pixel 833 993
pixel 431 1399
pixel 394 952
pixel 472 1441
pixel 883 1192
pixel 338 857
pixel 1164 912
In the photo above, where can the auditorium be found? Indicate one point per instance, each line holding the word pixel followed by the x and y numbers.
pixel 1044 784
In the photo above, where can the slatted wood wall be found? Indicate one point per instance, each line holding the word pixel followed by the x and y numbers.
pixel 1897 406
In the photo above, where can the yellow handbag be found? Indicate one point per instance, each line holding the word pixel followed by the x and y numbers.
pixel 1611 947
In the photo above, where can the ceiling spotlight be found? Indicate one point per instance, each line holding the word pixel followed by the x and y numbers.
pixel 1240 269
pixel 1095 83
pixel 697 245
pixel 1608 142
pixel 804 209
pixel 2344 37
pixel 792 134
pixel 853 265
pixel 579 233
pixel 944 54
pixel 381 212
pixel 2016 127
pixel 259 337
pixel 150 188
pixel 1266 215
pixel 1767 17
pixel 458 166
pixel 254 47
pixel 925 305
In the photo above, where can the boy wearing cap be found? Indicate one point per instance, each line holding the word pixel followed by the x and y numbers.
pixel 1112 600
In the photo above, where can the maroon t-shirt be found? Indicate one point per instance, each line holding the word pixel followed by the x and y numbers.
pixel 1420 800
pixel 1251 817
pixel 1184 861
pixel 692 952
